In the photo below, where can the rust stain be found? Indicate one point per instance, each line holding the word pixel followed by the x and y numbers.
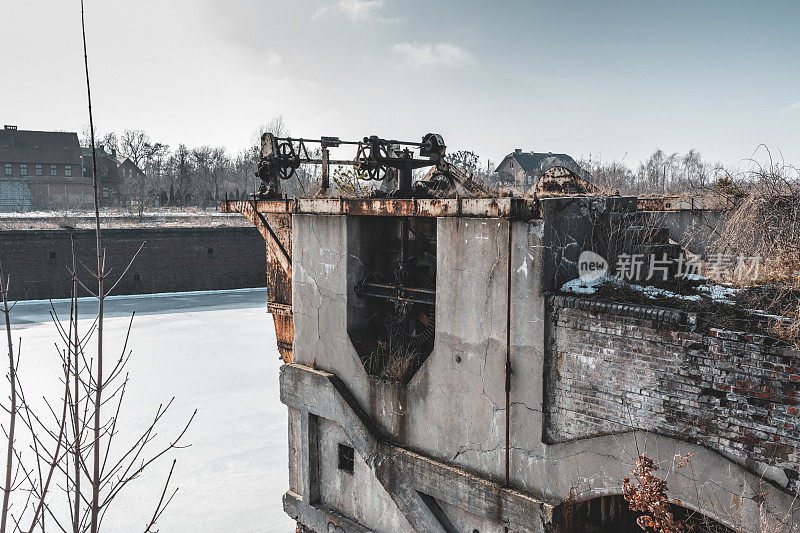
pixel 508 207
pixel 273 218
pixel 274 221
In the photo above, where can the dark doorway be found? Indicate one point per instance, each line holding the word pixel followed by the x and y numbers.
pixel 610 514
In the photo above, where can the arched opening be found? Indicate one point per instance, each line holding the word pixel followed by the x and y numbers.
pixel 611 514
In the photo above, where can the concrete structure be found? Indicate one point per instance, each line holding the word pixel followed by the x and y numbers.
pixel 532 407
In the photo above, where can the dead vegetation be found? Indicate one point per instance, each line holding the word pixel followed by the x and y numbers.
pixel 647 494
pixel 765 223
pixel 67 455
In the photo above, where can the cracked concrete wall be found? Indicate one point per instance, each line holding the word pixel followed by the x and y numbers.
pixel 528 263
pixel 694 229
pixel 453 409
pixel 456 401
pixel 319 295
pixel 358 495
pixel 574 224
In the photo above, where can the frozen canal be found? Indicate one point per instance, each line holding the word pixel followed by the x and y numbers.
pixel 215 352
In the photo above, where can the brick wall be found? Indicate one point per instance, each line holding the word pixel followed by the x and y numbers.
pixel 174 259
pixel 735 393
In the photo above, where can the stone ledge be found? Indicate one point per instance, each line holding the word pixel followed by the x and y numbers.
pixel 317 517
pixel 663 315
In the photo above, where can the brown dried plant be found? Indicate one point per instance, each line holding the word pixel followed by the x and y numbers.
pixel 648 495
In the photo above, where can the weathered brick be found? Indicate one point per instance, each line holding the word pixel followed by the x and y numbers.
pixel 734 392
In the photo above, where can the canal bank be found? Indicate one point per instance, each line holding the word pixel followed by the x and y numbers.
pixel 173 259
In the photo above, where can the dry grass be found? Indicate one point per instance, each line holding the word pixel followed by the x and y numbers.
pixel 765 223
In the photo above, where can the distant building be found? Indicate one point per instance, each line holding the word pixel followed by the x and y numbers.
pixel 521 170
pixel 41 170
pixel 112 171
pixel 108 174
pixel 128 169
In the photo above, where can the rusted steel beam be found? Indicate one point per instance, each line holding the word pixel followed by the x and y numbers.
pixel 682 203
pixel 274 243
pixel 277 232
pixel 252 211
pixel 506 207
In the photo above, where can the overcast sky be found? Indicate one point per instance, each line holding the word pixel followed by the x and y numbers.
pixel 614 81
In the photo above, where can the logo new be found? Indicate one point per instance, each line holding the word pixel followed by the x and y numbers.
pixel 591 266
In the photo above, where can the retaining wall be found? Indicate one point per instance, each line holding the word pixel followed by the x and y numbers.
pixel 174 259
pixel 735 393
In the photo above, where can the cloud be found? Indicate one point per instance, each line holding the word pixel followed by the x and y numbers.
pixel 422 55
pixel 357 11
pixel 794 108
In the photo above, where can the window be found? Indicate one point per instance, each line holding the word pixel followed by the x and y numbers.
pixel 106 192
pixel 210 251
pixel 8 169
pixel 53 170
pixel 23 170
pixel 346 458
pixel 38 170
pixel 52 256
pixel 68 170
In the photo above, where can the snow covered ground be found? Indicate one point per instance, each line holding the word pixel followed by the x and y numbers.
pixel 215 352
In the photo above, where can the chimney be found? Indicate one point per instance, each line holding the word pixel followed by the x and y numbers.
pixel 517 150
pixel 10 127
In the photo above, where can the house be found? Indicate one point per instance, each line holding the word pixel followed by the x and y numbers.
pixel 522 170
pixel 113 171
pixel 41 170
pixel 108 173
pixel 128 169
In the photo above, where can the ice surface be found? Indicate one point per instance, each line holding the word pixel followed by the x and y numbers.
pixel 213 351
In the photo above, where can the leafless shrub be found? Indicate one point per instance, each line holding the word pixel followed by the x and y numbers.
pixel 765 224
pixel 770 525
pixel 350 181
pixel 75 434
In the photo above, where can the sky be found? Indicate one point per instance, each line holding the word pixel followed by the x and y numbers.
pixel 606 80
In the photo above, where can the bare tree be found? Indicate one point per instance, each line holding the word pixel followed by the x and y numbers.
pixel 182 171
pixel 138 186
pixel 466 160
pixel 12 379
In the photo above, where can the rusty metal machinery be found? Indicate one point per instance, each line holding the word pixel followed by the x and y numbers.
pixel 376 158
pixel 398 293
